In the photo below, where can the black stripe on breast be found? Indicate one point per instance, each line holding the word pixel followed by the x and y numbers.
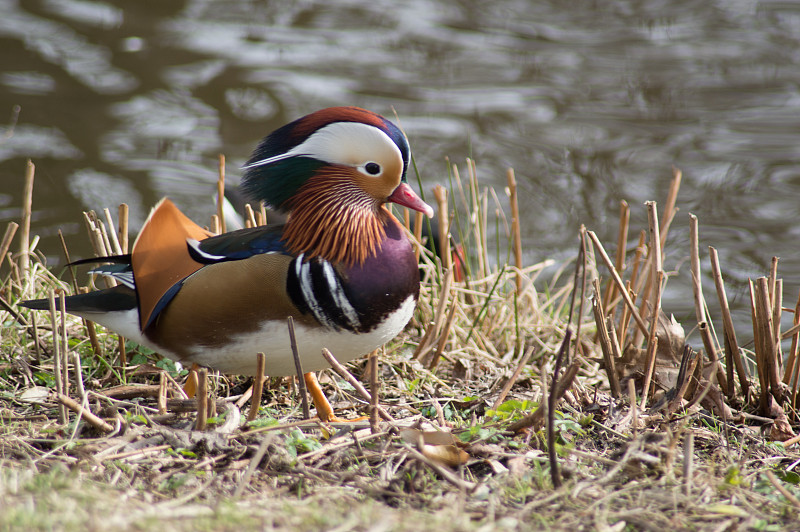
pixel 315 288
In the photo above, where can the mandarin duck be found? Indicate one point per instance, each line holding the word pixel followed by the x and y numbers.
pixel 341 266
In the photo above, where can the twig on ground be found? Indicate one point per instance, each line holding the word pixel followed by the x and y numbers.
pixel 258 387
pixel 85 413
pixel 301 381
pixel 555 474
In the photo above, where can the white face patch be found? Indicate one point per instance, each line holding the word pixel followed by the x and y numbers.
pixel 364 147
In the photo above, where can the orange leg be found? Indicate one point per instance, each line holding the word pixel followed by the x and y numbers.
pixel 324 408
pixel 190 386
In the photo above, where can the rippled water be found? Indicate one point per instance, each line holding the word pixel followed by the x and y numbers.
pixel 590 102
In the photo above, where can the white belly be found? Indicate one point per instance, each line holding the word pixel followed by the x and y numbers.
pixel 273 340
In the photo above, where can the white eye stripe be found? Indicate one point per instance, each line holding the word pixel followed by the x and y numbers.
pixel 348 143
pixel 269 160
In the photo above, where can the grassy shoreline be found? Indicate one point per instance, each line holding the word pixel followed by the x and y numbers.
pixel 472 445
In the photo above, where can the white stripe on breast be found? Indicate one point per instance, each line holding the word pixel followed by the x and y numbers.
pixel 339 297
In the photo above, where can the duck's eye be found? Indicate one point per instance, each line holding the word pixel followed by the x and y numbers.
pixel 372 168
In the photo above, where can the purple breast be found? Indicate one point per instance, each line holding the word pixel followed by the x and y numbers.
pixel 384 281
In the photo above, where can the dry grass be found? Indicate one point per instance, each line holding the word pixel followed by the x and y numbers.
pixel 465 449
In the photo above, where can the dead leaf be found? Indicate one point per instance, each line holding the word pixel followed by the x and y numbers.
pixel 427 437
pixel 781 428
pixel 233 418
pixel 36 395
pixel 449 455
pixel 436 445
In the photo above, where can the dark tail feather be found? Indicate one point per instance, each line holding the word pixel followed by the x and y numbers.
pixel 116 259
pixel 111 299
pixel 37 304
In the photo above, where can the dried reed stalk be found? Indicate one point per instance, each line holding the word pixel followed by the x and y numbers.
pixel 777 309
pixel 669 208
pixel 619 264
pixel 515 225
pixel 374 388
pixel 652 340
pixel 440 193
pixel 162 393
pixel 552 399
pixel 117 248
pixel 439 317
pixel 655 240
pixel 250 216
pixel 700 307
pixel 644 291
pixel 84 412
pixel 641 250
pixel 625 295
pixel 202 399
pixel 652 265
pixel 60 335
pixel 484 219
pixel 301 381
pixel 101 226
pixel 124 212
pixel 711 353
pixel 60 384
pixel 766 338
pixel 733 357
pixel 616 351
pixel 625 315
pixel 773 277
pixel 697 286
pixel 634 406
pixel 605 341
pixel 418 221
pixel 95 238
pixel 655 307
pixel 27 211
pixel 580 272
pixel 686 376
pixel 688 462
pixel 258 387
pixel 477 219
pixel 766 350
pixel 793 364
pixel 759 351
pixel 76 363
pixel 221 194
pixel 8 237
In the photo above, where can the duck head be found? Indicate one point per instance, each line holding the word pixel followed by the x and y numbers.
pixel 332 171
